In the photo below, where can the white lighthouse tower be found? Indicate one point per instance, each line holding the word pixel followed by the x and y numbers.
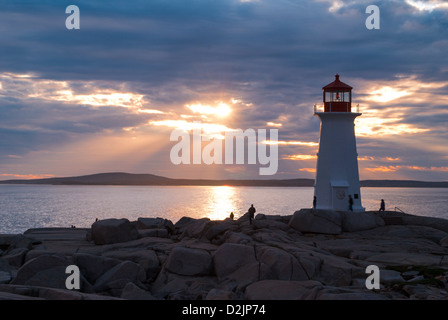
pixel 337 178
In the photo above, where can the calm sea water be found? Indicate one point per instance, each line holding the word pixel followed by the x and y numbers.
pixel 34 206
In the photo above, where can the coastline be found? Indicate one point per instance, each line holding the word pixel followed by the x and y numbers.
pixel 312 255
pixel 146 179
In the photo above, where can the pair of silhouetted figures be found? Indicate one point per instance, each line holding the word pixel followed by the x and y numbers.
pixel 350 203
pixel 251 212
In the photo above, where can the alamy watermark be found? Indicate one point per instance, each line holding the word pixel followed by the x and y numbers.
pixel 373 21
pixel 73 21
pixel 73 280
pixel 373 280
pixel 229 148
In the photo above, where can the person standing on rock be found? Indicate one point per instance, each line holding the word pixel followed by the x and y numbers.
pixel 350 202
pixel 231 215
pixel 251 213
pixel 382 205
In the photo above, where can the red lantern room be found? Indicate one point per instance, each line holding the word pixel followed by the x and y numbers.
pixel 337 96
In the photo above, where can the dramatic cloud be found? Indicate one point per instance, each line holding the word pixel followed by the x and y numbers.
pixel 106 97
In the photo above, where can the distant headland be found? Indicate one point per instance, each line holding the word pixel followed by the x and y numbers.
pixel 130 179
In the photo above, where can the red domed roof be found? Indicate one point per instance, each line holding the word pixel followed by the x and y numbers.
pixel 337 84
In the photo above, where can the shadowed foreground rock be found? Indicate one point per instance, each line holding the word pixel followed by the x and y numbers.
pixel 312 254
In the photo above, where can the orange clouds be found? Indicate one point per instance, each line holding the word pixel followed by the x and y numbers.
pixel 370 158
pixel 297 143
pixel 26 176
pixel 396 168
pixel 300 157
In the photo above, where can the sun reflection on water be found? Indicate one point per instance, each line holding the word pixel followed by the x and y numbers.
pixel 221 202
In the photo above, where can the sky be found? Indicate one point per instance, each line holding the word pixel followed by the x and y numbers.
pixel 106 97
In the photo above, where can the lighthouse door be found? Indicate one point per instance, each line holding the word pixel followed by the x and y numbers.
pixel 340 198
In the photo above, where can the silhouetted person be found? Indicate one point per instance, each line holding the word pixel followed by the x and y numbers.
pixel 314 202
pixel 350 203
pixel 382 205
pixel 251 213
pixel 231 215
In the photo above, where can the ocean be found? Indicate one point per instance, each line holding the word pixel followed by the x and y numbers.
pixel 35 206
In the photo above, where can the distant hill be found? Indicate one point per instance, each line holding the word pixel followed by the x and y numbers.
pixel 122 178
pixel 404 184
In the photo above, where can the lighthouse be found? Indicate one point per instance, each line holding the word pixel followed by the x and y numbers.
pixel 337 178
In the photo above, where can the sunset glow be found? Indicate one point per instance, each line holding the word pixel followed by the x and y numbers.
pixel 427 5
pixel 221 202
pixel 300 157
pixel 297 143
pixel 386 94
pixel 25 176
pixel 221 110
pixel 273 124
pixel 374 126
pixel 208 128
pixel 396 168
pixel 74 103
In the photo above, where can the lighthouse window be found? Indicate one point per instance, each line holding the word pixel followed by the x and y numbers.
pixel 346 96
pixel 337 96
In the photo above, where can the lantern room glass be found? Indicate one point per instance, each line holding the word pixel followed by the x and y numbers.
pixel 337 96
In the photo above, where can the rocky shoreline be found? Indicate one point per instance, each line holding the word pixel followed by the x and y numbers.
pixel 310 255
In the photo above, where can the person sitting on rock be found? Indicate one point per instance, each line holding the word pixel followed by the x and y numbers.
pixel 251 213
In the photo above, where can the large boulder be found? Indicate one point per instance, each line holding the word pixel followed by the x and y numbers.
pixel 13 241
pixel 146 258
pixel 220 228
pixel 189 262
pixel 358 221
pixel 230 257
pixel 444 242
pixel 317 221
pixel 338 271
pixel 238 264
pixel 16 256
pixel 333 222
pixel 119 276
pixel 113 231
pixel 92 266
pixel 45 271
pixel 155 233
pixel 155 223
pixel 5 277
pixel 282 265
pixel 193 228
